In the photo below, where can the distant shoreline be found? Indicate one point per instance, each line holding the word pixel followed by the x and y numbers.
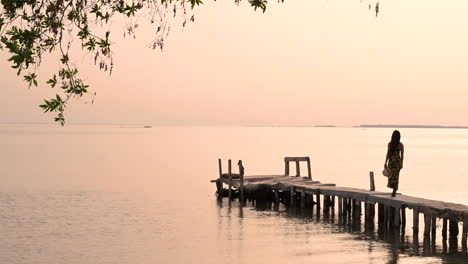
pixel 412 126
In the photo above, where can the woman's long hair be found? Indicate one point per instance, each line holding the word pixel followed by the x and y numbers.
pixel 395 141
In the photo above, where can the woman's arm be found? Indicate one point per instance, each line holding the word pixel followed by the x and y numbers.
pixel 402 155
pixel 388 155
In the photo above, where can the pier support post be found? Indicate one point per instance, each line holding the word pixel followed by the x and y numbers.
pixel 433 229
pixel 444 229
pixel 303 197
pixel 276 196
pixel 326 204
pixel 291 198
pixel 427 224
pixel 396 217
pixel 340 206
pixel 415 220
pixel 345 207
pixel 317 197
pixel 380 213
pixel 453 236
pixel 386 216
pixel 332 202
pixel 464 234
pixel 369 211
pixel 230 180
pixel 403 216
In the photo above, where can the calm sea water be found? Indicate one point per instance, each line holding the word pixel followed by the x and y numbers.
pixel 110 194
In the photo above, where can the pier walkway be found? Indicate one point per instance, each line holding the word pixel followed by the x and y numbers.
pixel 304 192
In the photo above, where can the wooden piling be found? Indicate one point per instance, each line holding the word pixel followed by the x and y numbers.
pixel 464 234
pixel 345 206
pixel 309 170
pixel 372 183
pixel 444 229
pixel 380 213
pixel 386 216
pixel 219 183
pixel 303 197
pixel 396 217
pixel 241 175
pixel 427 224
pixel 291 198
pixel 453 236
pixel 433 228
pixel 403 217
pixel 276 196
pixel 298 169
pixel 340 206
pixel 415 220
pixel 230 180
pixel 317 196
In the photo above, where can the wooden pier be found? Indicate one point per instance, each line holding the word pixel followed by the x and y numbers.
pixel 304 192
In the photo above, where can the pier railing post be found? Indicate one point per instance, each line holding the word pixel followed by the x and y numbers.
pixel 241 175
pixel 372 183
pixel 230 180
pixel 309 170
pixel 286 167
pixel 219 183
pixel 298 169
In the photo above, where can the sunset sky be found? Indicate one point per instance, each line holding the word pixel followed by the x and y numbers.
pixel 302 62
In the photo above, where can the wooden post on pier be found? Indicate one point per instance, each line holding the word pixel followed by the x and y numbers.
pixel 380 213
pixel 444 229
pixel 403 216
pixel 453 236
pixel 298 169
pixel 427 224
pixel 230 180
pixel 386 216
pixel 464 234
pixel 241 174
pixel 415 220
pixel 286 167
pixel 345 206
pixel 340 206
pixel 326 203
pixel 291 197
pixel 317 196
pixel 433 229
pixel 309 170
pixel 276 196
pixel 372 183
pixel 219 183
pixel 303 198
pixel 396 217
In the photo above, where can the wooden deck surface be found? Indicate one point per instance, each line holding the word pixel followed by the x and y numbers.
pixel 441 209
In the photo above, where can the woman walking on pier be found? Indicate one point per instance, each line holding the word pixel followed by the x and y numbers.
pixel 394 161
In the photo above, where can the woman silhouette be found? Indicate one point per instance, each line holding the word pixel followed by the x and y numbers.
pixel 394 161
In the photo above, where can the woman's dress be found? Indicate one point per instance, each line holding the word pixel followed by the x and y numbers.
pixel 394 165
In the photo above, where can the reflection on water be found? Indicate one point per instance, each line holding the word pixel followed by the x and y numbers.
pixel 395 243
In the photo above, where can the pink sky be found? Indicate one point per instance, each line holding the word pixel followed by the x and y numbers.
pixel 301 63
